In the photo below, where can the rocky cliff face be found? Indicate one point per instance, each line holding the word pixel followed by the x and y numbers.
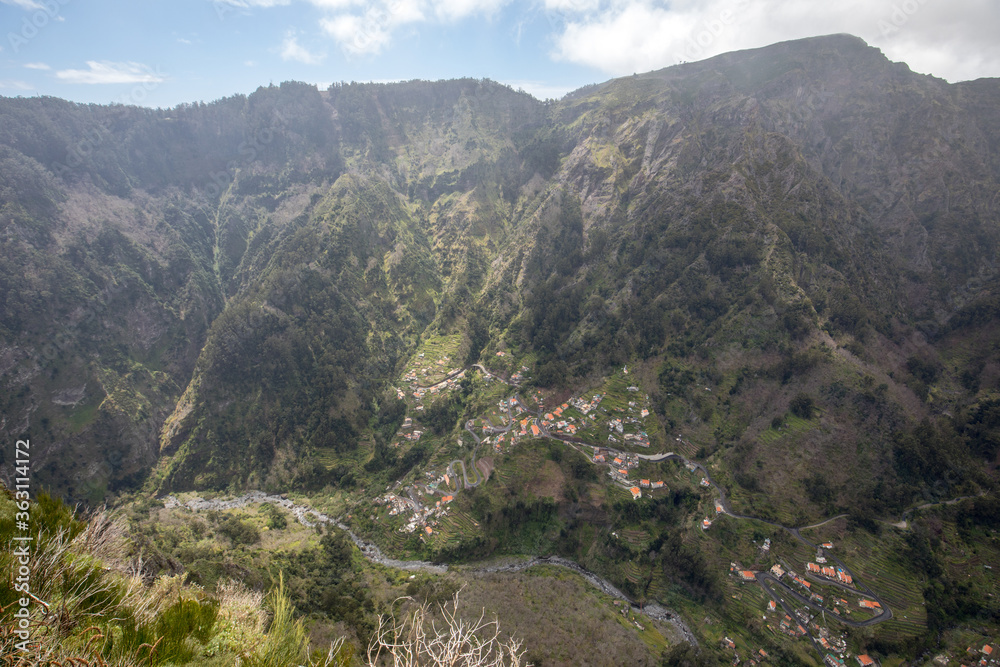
pixel 234 284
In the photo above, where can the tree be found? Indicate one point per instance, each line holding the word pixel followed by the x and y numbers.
pixel 802 406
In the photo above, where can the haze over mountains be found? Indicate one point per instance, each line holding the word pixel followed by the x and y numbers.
pixel 228 289
pixel 785 260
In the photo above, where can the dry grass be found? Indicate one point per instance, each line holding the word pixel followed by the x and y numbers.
pixel 563 621
pixel 452 639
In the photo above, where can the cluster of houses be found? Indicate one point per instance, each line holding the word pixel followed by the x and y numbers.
pixel 397 504
pixel 619 464
pixel 831 643
pixel 640 439
pixel 795 625
pixel 987 656
pixel 519 376
pixel 835 574
pixel 556 421
pixel 584 406
pixel 863 660
pixel 756 657
pixel 425 516
pixel 407 432
pixel 791 627
pixel 801 582
pixel 419 393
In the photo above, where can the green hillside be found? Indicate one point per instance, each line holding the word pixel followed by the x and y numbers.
pixel 438 311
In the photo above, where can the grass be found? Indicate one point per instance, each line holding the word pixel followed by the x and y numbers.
pixel 565 621
pixel 83 415
pixel 98 611
pixel 878 562
pixel 435 349
pixel 794 426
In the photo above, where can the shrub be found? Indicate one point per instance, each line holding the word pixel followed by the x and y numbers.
pixel 802 406
pixel 275 518
pixel 238 531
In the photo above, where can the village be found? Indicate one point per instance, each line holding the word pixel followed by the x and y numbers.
pixel 799 603
pixel 609 427
pixel 579 422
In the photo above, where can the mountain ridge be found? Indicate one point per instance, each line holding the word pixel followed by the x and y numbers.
pixel 838 181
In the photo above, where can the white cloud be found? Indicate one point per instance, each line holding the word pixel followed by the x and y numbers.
pixel 24 4
pixel 355 34
pixel 362 27
pixel 334 4
pixel 37 66
pixel 642 36
pixel 954 40
pixel 454 10
pixel 109 72
pixel 292 50
pixel 370 32
pixel 15 85
pixel 575 6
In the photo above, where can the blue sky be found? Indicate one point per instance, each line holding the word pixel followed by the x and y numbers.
pixel 157 53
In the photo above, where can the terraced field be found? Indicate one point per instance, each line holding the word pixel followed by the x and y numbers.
pixel 875 561
pixel 794 426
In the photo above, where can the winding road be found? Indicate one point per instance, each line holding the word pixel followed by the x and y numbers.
pixel 763 577
pixel 776 588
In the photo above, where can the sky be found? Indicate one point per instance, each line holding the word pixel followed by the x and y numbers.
pixel 159 54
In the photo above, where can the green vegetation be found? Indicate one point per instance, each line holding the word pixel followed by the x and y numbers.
pixel 90 603
pixel 231 296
